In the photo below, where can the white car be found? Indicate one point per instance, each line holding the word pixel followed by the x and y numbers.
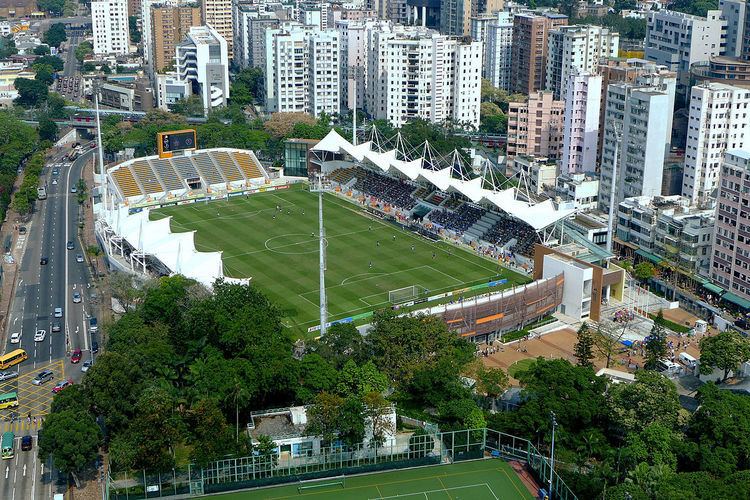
pixel 76 298
pixel 86 365
pixel 40 335
pixel 15 338
pixel 54 182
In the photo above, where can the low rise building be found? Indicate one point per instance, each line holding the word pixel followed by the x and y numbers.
pixel 127 96
pixel 581 189
pixel 538 174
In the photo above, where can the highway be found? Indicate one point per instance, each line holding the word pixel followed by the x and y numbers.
pixel 39 290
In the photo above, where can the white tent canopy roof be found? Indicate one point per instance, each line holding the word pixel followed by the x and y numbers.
pixel 536 215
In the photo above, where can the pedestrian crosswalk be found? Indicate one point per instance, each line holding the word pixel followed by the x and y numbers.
pixel 21 426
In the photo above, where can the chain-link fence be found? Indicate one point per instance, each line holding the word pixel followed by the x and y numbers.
pixel 305 463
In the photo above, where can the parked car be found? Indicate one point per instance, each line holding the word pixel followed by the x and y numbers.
pixel 76 356
pixel 62 385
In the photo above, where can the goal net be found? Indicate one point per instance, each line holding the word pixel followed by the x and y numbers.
pixel 401 295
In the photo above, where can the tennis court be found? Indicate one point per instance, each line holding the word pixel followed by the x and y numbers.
pixel 490 479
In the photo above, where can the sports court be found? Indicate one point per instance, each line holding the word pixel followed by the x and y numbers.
pixel 490 479
pixel 272 237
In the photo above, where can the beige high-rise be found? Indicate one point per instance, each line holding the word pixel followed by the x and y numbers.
pixel 218 15
pixel 170 25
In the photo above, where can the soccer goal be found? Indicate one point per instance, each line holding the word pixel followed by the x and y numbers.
pixel 401 295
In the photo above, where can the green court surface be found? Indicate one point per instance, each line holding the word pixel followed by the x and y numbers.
pixel 490 479
pixel 272 238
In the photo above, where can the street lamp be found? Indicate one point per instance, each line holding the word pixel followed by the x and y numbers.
pixel 552 453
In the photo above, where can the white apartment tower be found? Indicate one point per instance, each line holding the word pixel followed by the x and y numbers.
pixel 428 76
pixel 109 22
pixel 355 39
pixel 498 50
pixel 303 70
pixel 636 140
pixel 203 60
pixel 581 123
pixel 719 120
pixel 573 49
pixel 678 40
pixel 218 15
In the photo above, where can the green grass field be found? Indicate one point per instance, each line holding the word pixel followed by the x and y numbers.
pixel 366 257
pixel 476 480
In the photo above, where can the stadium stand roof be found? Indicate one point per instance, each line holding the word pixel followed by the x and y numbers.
pixel 536 215
pixel 175 250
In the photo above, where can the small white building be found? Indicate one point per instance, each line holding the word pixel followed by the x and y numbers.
pixel 576 302
pixel 287 428
pixel 170 89
pixel 538 173
pixel 581 189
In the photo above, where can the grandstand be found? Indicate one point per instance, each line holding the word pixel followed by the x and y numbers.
pixel 153 179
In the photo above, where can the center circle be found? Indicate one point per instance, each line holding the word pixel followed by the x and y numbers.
pixel 294 244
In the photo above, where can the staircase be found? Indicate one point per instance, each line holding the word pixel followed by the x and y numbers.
pixel 482 226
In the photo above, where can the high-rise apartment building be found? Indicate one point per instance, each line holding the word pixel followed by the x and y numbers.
pixel 109 23
pixel 636 140
pixel 303 70
pixel 573 49
pixel 455 17
pixel 250 25
pixel 535 127
pixel 498 45
pixel 719 120
pixel 415 74
pixel 735 12
pixel 678 40
pixel 730 259
pixel 203 60
pixel 169 26
pixel 218 15
pixel 529 49
pixel 581 123
pixel 356 38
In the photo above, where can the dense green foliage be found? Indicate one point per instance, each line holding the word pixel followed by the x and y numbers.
pixel 54 7
pixel 135 33
pixel 694 7
pixel 628 27
pixel 84 48
pixel 7 47
pixel 17 142
pixel 184 368
pixel 55 35
pixel 248 87
pixel 26 194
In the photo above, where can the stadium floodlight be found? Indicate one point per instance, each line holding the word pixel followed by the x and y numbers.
pixel 322 243
pixel 401 295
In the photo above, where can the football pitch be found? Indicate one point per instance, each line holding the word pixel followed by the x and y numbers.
pixel 490 479
pixel 271 237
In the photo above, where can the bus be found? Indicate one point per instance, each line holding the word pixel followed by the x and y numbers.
pixel 7 445
pixel 12 358
pixel 8 400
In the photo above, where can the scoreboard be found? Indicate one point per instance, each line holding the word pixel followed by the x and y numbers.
pixel 176 140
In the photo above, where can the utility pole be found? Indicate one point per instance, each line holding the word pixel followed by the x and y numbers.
pixel 552 454
pixel 322 239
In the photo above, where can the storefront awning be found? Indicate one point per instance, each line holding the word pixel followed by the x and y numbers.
pixel 737 300
pixel 713 288
pixel 649 256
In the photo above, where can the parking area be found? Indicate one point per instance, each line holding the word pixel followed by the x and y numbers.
pixel 33 399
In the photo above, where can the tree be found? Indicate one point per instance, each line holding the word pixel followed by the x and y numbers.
pixel 584 346
pixel 56 106
pixel 360 380
pixel 280 125
pixel 41 50
pixel 84 48
pixel 53 62
pixel 208 432
pixel 323 417
pixel 113 384
pixel 656 344
pixel 82 191
pixel 126 288
pixel 157 428
pixel 653 444
pixel 267 452
pixel 607 339
pixel 643 271
pixel 7 47
pixel 30 92
pixel 47 129
pixel 377 411
pixel 652 398
pixel 341 343
pixel 315 375
pixel 248 87
pixel 725 351
pixel 135 33
pixel 55 35
pixel 492 382
pixel 72 438
pixel 461 414
pixel 191 106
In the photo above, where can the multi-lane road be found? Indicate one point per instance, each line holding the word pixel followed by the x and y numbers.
pixel 40 289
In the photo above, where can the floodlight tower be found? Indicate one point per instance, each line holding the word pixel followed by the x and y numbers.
pixel 101 154
pixel 321 239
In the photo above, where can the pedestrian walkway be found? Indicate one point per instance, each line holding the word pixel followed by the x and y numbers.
pixel 22 426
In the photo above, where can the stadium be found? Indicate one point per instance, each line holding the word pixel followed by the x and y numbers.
pixel 401 230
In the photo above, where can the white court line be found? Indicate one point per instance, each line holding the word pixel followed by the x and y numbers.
pixel 443 490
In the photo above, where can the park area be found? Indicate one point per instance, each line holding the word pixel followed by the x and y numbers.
pixel 490 479
pixel 272 238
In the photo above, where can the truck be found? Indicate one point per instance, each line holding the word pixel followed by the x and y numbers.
pixel 41 193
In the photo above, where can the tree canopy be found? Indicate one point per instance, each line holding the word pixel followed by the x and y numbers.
pixel 55 35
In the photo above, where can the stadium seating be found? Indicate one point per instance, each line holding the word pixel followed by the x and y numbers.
pixel 185 168
pixel 207 170
pixel 458 220
pixel 127 183
pixel 247 165
pixel 142 170
pixel 436 198
pixel 166 173
pixel 227 166
pixel 506 229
